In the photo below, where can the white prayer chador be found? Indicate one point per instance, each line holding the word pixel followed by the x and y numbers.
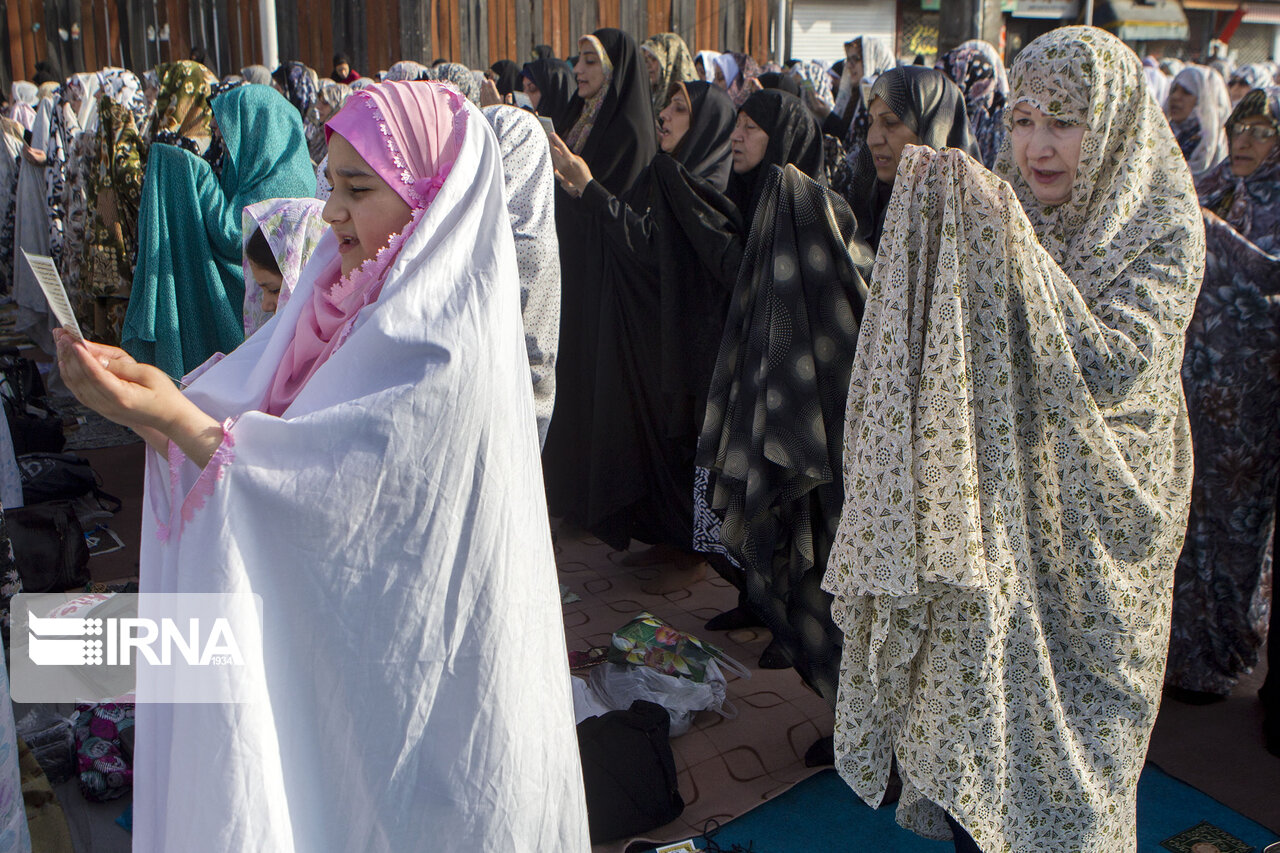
pixel 392 519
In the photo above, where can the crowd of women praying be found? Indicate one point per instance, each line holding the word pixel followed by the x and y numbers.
pixel 965 378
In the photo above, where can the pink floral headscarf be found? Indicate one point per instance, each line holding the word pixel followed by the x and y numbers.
pixel 410 134
pixel 405 131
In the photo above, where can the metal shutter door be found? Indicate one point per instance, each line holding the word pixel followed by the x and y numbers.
pixel 819 28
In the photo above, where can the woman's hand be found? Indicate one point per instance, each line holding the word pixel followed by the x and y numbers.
pixel 489 96
pixel 34 156
pixel 572 171
pixel 138 396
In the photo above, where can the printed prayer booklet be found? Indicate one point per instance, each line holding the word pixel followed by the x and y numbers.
pixel 51 283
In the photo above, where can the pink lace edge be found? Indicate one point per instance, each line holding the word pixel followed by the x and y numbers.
pixel 205 483
pixel 424 190
pixel 373 268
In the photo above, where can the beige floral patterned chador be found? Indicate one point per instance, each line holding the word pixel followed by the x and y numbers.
pixel 1017 470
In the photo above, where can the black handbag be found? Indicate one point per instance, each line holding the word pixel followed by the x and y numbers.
pixel 61 477
pixel 629 771
pixel 48 546
pixel 35 429
pixel 34 425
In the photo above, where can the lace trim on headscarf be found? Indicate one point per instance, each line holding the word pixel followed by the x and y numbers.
pixel 423 190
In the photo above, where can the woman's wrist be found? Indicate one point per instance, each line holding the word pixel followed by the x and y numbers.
pixel 196 433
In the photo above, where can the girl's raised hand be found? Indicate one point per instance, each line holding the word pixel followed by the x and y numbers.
pixel 109 381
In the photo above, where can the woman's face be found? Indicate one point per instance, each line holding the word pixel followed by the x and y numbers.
pixel 364 211
pixel 1237 89
pixel 700 67
pixel 674 122
pixel 1047 151
pixel 323 110
pixel 651 64
pixel 589 71
pixel 1247 151
pixel 720 81
pixel 270 282
pixel 748 142
pixel 886 138
pixel 853 62
pixel 535 94
pixel 1181 103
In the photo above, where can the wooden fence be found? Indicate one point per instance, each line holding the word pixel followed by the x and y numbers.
pixel 78 35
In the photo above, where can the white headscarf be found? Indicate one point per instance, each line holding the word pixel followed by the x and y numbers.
pixel 24 92
pixel 1213 106
pixel 86 87
pixel 530 180
pixel 876 59
pixel 23 96
pixel 393 521
pixel 708 58
pixel 728 67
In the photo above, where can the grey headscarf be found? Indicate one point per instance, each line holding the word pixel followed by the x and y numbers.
pixel 462 77
pixel 335 94
pixel 258 74
pixel 408 70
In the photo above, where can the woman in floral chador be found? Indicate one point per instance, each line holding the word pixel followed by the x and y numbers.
pixel 114 196
pixel 1017 465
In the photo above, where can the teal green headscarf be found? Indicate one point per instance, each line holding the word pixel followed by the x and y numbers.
pixel 188 285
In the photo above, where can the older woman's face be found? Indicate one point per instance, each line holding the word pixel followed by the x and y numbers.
pixel 748 143
pixel 589 71
pixel 720 81
pixel 1047 151
pixel 886 138
pixel 1247 150
pixel 1181 103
